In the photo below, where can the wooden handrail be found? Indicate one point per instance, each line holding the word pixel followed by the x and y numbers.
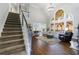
pixel 23 16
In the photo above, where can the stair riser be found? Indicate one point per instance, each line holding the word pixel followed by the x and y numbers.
pixel 11 38
pixel 13 33
pixel 12 23
pixel 12 26
pixel 11 19
pixel 11 44
pixel 11 29
pixel 13 51
pixel 13 16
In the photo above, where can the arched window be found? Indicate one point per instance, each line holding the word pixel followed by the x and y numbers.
pixel 59 13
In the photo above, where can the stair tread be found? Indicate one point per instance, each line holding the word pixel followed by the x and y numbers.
pixel 5 33
pixel 11 31
pixel 12 28
pixel 20 53
pixel 10 36
pixel 11 19
pixel 9 24
pixel 13 25
pixel 10 41
pixel 11 48
pixel 13 22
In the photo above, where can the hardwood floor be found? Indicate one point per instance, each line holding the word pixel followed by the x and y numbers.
pixel 61 48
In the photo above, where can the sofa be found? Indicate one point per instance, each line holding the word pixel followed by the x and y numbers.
pixel 66 37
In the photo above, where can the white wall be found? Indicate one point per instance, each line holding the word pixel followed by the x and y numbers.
pixel 38 12
pixel 14 7
pixel 4 8
pixel 39 27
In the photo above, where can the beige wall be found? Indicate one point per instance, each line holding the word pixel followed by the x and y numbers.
pixel 4 9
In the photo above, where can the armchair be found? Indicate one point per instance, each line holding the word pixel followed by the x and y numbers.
pixel 66 37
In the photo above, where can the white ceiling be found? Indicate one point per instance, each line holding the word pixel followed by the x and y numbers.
pixel 39 11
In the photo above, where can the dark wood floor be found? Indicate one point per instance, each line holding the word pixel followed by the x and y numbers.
pixel 61 48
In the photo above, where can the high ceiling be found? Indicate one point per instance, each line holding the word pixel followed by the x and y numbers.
pixel 38 12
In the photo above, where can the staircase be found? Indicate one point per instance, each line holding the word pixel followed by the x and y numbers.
pixel 11 40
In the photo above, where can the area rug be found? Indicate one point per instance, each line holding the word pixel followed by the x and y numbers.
pixel 49 41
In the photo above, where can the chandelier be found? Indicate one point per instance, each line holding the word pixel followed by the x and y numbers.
pixel 51 7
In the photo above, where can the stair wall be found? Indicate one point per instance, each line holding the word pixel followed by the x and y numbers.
pixel 4 9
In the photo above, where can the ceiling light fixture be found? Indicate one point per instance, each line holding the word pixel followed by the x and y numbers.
pixel 51 7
